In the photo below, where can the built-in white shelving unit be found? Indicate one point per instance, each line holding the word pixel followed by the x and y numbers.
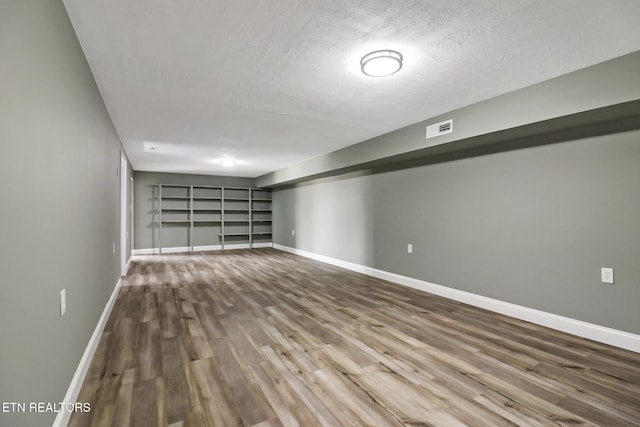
pixel 195 217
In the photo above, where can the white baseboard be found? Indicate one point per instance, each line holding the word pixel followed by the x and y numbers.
pixel 150 251
pixel 126 267
pixel 231 246
pixel 62 419
pixel 176 249
pixel 262 245
pixel 206 248
pixel 591 331
pixel 180 249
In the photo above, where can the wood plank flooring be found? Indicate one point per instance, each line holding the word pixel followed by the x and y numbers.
pixel 265 338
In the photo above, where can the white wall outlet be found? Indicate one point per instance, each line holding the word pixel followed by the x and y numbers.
pixel 409 248
pixel 293 232
pixel 606 275
pixel 114 247
pixel 63 302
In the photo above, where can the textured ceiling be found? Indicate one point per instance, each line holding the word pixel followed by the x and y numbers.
pixel 275 82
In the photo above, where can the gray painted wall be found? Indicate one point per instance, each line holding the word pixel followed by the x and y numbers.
pixel 531 226
pixel 144 228
pixel 59 212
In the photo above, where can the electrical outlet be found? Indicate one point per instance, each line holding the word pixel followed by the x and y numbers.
pixel 63 302
pixel 409 248
pixel 606 275
pixel 114 247
pixel 293 232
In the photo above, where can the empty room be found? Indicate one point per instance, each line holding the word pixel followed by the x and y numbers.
pixel 318 213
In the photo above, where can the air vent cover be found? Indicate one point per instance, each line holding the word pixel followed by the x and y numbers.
pixel 441 128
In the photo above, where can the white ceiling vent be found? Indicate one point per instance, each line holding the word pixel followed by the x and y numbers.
pixel 440 128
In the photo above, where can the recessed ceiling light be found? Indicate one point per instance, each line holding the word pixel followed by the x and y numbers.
pixel 227 162
pixel 150 147
pixel 381 63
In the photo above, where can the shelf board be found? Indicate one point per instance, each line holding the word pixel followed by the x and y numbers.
pixel 261 220
pixel 207 221
pixel 176 221
pixel 207 198
pixel 261 234
pixel 237 220
pixel 207 210
pixel 235 234
pixel 175 210
pixel 236 199
pixel 236 210
pixel 261 210
pixel 175 198
pixel 261 200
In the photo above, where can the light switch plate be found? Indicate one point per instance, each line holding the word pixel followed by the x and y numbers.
pixel 63 302
pixel 409 248
pixel 606 275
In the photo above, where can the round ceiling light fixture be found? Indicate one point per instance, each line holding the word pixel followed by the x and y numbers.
pixel 381 63
pixel 228 162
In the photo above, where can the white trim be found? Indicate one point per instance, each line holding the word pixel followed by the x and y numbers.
pixel 63 417
pixel 126 268
pixel 206 248
pixel 124 231
pixel 132 213
pixel 591 331
pixel 228 246
pixel 149 251
pixel 263 245
pixel 178 249
pixel 153 251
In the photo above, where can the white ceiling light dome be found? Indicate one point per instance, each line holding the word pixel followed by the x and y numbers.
pixel 381 63
pixel 228 162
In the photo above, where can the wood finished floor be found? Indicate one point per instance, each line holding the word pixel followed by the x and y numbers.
pixel 265 338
